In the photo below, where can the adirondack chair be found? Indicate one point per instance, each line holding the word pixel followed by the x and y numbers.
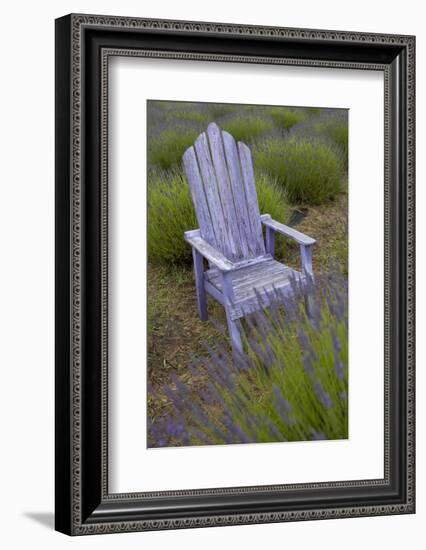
pixel 242 268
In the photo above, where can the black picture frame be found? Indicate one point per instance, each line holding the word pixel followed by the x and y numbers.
pixel 83 45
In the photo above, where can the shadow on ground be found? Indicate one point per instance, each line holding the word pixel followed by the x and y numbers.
pixel 44 518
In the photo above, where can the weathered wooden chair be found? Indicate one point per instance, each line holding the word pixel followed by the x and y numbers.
pixel 242 267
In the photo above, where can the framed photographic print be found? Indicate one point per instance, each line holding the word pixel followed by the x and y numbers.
pixel 234 274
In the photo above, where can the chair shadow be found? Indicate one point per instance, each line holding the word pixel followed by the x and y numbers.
pixel 47 519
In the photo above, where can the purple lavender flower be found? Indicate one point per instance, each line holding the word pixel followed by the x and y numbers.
pixel 337 348
pixel 322 395
pixel 175 398
pixel 339 369
pixel 336 342
pixel 303 338
pixel 274 431
pixel 283 406
pixel 318 436
pixel 174 427
pixel 343 396
pixel 236 430
pixel 282 401
pixel 307 364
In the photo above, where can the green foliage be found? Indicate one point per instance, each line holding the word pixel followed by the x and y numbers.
pixel 313 110
pixel 337 130
pixel 271 198
pixel 247 128
pixel 286 118
pixel 165 151
pixel 171 213
pixel 217 110
pixel 190 116
pixel 309 170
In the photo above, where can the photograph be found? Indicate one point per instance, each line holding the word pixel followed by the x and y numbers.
pixel 247 293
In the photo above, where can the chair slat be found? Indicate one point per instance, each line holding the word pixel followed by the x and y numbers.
pixel 211 190
pixel 237 241
pixel 252 203
pixel 249 243
pixel 198 196
pixel 221 179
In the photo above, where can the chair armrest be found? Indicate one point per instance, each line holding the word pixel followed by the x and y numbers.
pixel 297 236
pixel 210 253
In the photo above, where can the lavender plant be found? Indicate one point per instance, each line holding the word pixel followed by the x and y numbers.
pixel 291 384
pixel 331 125
pixel 165 149
pixel 286 118
pixel 309 170
pixel 246 128
pixel 335 128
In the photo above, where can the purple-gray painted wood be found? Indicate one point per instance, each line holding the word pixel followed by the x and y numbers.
pixel 262 300
pixel 214 292
pixel 221 180
pixel 227 287
pixel 199 284
pixel 192 233
pixel 251 198
pixel 234 329
pixel 251 283
pixel 198 196
pixel 210 188
pixel 306 256
pixel 270 241
pixel 297 236
pixel 257 300
pixel 209 252
pixel 226 192
pixel 240 200
pixel 306 243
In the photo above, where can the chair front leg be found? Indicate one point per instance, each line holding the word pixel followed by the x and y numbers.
pixel 199 284
pixel 233 324
pixel 306 256
pixel 270 241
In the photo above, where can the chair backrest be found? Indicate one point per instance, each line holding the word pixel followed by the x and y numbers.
pixel 221 179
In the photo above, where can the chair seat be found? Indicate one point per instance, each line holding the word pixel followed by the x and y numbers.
pixel 258 282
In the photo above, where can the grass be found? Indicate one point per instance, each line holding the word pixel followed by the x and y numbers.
pixel 175 332
pixel 171 213
pixel 309 170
